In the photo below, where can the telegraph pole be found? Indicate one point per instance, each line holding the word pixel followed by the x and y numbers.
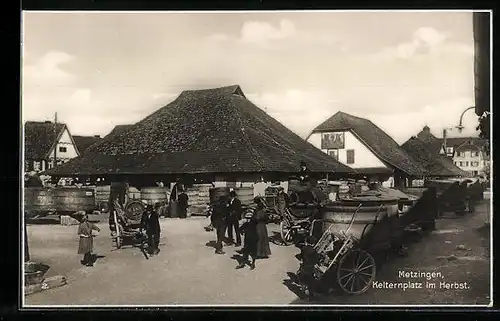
pixel 55 143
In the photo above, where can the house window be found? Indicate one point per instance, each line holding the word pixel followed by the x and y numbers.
pixel 62 149
pixel 456 163
pixel 466 163
pixel 460 163
pixel 37 166
pixel 475 164
pixel 460 154
pixel 350 156
pixel 449 150
pixel 334 153
pixel 476 154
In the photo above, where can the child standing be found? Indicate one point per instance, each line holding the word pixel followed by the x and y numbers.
pixel 249 250
pixel 85 245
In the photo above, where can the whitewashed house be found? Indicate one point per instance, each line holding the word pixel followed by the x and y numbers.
pixel 45 140
pixel 360 144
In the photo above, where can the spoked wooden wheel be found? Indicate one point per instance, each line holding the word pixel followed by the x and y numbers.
pixel 286 232
pixel 356 271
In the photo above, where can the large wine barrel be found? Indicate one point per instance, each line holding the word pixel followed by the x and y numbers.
pixel 39 199
pixel 373 210
pixel 244 194
pixel 217 192
pixel 153 195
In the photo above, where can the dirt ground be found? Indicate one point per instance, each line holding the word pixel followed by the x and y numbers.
pixel 187 272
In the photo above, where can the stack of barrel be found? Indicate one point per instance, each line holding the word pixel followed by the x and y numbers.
pixel 102 197
pixel 198 198
pixel 245 195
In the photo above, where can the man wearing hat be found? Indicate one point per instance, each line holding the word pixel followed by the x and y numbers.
pixel 234 218
pixel 303 173
pixel 150 222
pixel 219 219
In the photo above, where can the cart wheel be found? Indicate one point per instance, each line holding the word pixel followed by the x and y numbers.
pixel 286 233
pixel 356 271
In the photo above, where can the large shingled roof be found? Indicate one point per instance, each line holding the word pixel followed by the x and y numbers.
pixel 435 164
pixel 203 131
pixel 84 142
pixel 375 139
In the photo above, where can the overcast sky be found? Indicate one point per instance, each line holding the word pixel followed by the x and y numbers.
pixel 401 70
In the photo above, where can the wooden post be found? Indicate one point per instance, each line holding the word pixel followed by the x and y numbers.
pixel 55 143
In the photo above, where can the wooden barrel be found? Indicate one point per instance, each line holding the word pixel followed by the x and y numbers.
pixel 245 195
pixel 338 216
pixel 59 199
pixel 153 195
pixel 216 192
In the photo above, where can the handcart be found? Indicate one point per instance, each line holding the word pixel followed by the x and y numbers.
pixel 344 259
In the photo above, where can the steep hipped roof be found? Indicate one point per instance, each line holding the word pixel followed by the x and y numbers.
pixel 435 164
pixel 40 137
pixel 203 131
pixel 84 142
pixel 375 139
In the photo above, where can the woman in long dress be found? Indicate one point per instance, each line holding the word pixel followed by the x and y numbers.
pixel 85 246
pixel 263 249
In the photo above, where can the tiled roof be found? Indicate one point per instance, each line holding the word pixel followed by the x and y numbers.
pixel 435 164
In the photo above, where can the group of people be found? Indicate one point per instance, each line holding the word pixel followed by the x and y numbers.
pixel 226 216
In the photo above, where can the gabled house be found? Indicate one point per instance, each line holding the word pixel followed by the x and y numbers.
pixel 362 145
pixel 468 153
pixel 84 142
pixel 45 140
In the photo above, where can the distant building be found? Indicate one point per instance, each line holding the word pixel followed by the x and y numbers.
pixel 467 153
pixel 362 145
pixel 43 141
pixel 84 142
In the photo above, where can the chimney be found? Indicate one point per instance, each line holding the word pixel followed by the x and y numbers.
pixel 97 136
pixel 426 129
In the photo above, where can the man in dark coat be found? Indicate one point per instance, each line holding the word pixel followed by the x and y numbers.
pixel 150 222
pixel 219 222
pixel 234 218
pixel 182 203
pixel 304 173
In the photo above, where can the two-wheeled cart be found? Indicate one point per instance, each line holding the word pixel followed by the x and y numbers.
pixel 354 232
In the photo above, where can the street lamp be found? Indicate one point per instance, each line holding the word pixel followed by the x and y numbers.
pixel 460 127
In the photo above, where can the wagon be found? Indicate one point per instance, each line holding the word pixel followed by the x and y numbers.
pixel 451 195
pixel 353 233
pixel 127 225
